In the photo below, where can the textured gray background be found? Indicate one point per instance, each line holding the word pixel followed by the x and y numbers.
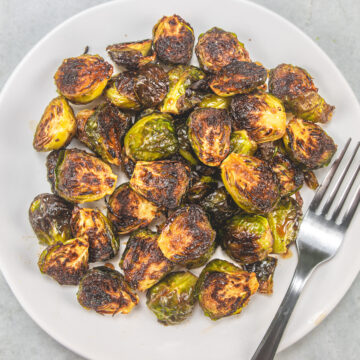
pixel 333 24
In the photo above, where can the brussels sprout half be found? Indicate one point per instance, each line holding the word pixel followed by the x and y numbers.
pixel 162 182
pixel 102 130
pixel 239 77
pixel 173 40
pixel 93 226
pixel 65 262
pixel 173 299
pixel 187 238
pixel 250 182
pixel 215 101
pixel 105 291
pixel 262 115
pixel 151 138
pixel 142 261
pixel 223 289
pixel 56 127
pixel 247 238
pixel 129 211
pixel 49 216
pixel 131 55
pixel 284 223
pixel 83 78
pixel 181 97
pixel 308 144
pixel 209 135
pixel 240 143
pixel 78 176
pixel 294 86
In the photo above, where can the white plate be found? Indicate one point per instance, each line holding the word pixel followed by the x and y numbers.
pixel 269 39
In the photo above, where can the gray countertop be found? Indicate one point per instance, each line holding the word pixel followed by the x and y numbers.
pixel 333 24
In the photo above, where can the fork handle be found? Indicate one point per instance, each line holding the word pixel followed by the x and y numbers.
pixel 269 344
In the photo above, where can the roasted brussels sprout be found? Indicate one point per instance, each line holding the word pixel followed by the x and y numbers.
pixel 219 206
pixel 142 261
pixel 181 97
pixel 151 138
pixel 308 144
pixel 129 211
pixel 209 134
pixel 310 180
pixel 223 289
pixel 172 300
pixel 151 85
pixel 200 186
pixel 78 176
pixel 56 127
pixel 162 182
pixel 83 78
pixel 173 40
pixel 49 216
pixel 93 226
pixel 102 130
pixel 241 143
pixel 120 91
pixel 214 101
pixel 131 55
pixel 262 115
pixel 239 77
pixel 187 238
pixel 264 271
pixel 247 238
pixel 294 86
pixel 250 182
pixel 65 262
pixel 185 149
pixel 284 223
pixel 217 48
pixel 104 290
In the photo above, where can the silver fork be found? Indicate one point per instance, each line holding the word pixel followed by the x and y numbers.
pixel 318 241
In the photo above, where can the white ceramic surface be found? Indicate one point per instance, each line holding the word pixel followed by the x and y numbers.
pixel 269 39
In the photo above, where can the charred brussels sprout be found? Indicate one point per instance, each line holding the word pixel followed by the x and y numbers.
pixel 162 182
pixel 223 289
pixel 151 85
pixel 56 127
pixel 247 238
pixel 131 55
pixel 78 176
pixel 129 211
pixel 284 223
pixel 105 291
pixel 220 206
pixel 173 40
pixel 143 262
pixel 172 300
pixel 250 182
pixel 102 130
pixel 262 115
pixel 264 271
pixel 185 149
pixel 181 97
pixel 308 144
pixel 187 238
pixel 294 86
pixel 217 48
pixel 65 262
pixel 49 217
pixel 151 138
pixel 83 78
pixel 239 77
pixel 120 91
pixel 201 185
pixel 93 226
pixel 209 135
pixel 214 101
pixel 241 143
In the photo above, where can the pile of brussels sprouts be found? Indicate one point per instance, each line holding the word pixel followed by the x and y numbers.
pixel 206 149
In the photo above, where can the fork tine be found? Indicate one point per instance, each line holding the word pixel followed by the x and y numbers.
pixel 351 212
pixel 324 186
pixel 340 180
